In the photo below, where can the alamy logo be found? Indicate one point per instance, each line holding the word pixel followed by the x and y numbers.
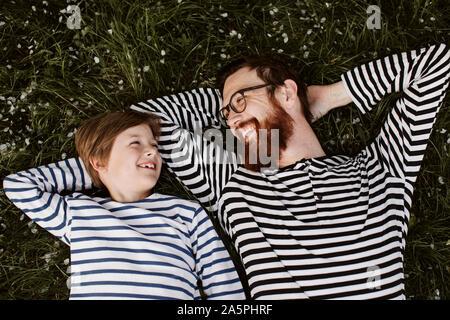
pixel 374 20
pixel 74 20
pixel 374 278
pixel 219 148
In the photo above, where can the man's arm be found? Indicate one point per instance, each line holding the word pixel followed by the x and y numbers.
pixel 37 193
pixel 202 166
pixel 324 98
pixel 422 76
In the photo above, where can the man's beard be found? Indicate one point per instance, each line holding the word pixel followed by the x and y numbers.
pixel 265 133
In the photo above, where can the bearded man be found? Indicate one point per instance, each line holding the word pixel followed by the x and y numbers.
pixel 318 226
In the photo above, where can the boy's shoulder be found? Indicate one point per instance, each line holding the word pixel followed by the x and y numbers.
pixel 188 203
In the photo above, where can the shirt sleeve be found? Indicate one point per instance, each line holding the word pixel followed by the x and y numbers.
pixel 214 266
pixel 37 193
pixel 422 76
pixel 192 142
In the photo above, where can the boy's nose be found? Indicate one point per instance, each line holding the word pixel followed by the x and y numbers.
pixel 151 151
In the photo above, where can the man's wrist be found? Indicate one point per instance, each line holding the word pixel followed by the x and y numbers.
pixel 338 95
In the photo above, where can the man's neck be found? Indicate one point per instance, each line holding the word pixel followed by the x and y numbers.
pixel 302 144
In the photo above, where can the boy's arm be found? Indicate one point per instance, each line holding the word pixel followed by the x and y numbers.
pixel 202 166
pixel 214 266
pixel 36 193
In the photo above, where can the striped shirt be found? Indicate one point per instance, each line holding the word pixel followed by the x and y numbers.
pixel 332 227
pixel 155 248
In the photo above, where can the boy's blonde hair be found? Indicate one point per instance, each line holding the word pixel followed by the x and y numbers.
pixel 95 138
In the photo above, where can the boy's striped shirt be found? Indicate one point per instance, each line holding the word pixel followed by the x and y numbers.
pixel 155 248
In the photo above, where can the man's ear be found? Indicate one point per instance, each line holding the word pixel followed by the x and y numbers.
pixel 289 93
pixel 97 165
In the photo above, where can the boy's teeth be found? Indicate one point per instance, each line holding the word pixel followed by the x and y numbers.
pixel 148 166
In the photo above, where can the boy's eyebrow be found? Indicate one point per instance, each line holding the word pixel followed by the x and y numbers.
pixel 134 135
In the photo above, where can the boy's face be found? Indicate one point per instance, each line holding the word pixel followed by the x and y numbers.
pixel 134 165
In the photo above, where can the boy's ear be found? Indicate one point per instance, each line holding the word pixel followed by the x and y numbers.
pixel 97 164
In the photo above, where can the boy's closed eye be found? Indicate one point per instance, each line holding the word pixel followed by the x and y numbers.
pixel 155 145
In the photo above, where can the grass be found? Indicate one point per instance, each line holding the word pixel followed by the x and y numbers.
pixel 50 82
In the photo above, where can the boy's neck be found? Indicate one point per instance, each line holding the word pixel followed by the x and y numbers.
pixel 128 196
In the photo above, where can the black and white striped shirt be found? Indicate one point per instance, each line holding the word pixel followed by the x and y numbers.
pixel 332 227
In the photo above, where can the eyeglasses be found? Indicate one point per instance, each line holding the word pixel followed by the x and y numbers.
pixel 238 103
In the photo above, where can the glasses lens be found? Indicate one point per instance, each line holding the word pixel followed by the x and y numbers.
pixel 239 102
pixel 224 112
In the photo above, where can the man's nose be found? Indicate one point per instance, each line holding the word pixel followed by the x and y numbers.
pixel 234 118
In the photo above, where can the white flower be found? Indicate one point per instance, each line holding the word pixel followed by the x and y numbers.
pixel 223 55
pixel 233 33
pixel 306 54
pixel 2 23
pixel 163 53
pixel 440 180
pixel 224 14
pixel 110 31
pixel 96 60
pixel 146 68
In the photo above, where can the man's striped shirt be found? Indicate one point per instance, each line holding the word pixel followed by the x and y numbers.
pixel 332 227
pixel 155 248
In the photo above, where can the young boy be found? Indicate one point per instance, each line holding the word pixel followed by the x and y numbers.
pixel 136 244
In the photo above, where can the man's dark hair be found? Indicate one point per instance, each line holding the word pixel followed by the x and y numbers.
pixel 272 71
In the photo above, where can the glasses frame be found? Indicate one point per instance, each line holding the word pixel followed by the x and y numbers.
pixel 230 105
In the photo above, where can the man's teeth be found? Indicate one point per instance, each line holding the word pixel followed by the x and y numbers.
pixel 246 132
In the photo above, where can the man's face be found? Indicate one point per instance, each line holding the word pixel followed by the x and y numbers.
pixel 134 164
pixel 261 113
